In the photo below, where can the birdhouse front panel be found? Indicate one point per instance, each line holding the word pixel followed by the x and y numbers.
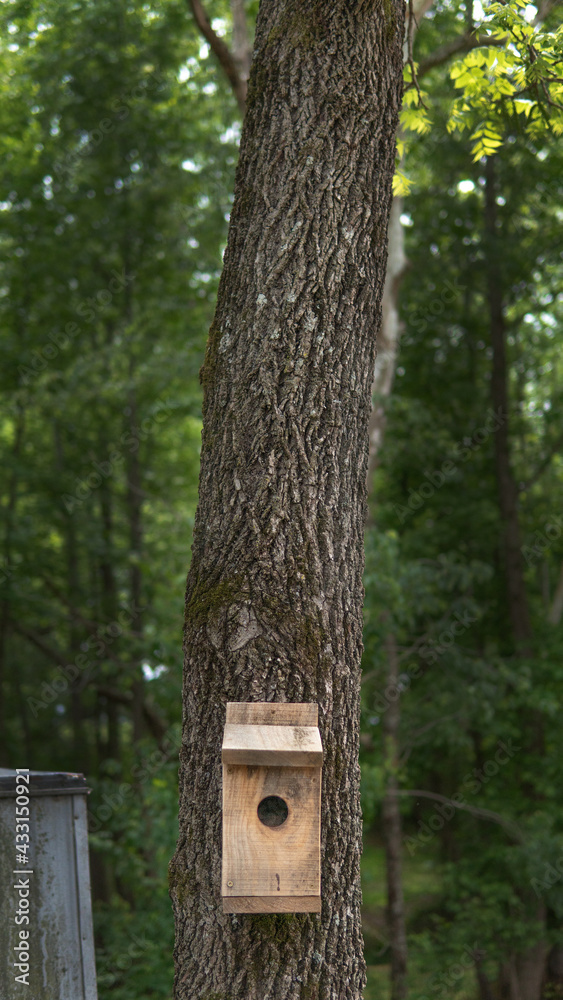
pixel 271 809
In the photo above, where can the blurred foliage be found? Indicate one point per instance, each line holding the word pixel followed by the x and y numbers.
pixel 435 575
pixel 118 144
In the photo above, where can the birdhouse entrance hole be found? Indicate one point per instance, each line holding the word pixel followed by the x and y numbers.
pixel 272 811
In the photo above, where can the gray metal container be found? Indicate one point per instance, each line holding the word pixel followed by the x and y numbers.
pixel 61 959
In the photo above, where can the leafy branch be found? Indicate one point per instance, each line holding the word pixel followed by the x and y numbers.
pixel 511 69
pixel 523 79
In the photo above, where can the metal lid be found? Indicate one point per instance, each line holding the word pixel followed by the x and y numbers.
pixel 42 783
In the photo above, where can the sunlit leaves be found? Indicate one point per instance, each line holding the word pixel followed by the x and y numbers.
pixel 511 79
pixel 520 76
pixel 414 115
pixel 486 140
pixel 401 183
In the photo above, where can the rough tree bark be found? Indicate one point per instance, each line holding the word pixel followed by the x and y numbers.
pixel 274 594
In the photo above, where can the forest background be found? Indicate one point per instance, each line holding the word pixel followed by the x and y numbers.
pixel 118 146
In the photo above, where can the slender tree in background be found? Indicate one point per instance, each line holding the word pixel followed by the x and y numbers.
pixel 392 830
pixel 274 597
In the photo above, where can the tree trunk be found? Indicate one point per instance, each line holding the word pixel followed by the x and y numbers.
pixel 392 831
pixel 507 489
pixel 509 985
pixel 389 335
pixel 527 970
pixel 109 606
pixel 556 609
pixel 6 568
pixel 485 991
pixel 79 744
pixel 135 511
pixel 274 596
pixel 531 967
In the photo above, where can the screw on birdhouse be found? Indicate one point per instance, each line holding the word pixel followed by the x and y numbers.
pixel 230 885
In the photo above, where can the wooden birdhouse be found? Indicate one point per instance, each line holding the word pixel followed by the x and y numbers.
pixel 272 765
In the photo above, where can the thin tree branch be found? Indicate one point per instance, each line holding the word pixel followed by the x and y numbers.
pixel 555 448
pixel 155 723
pixel 49 651
pixel 222 52
pixel 409 747
pixel 97 628
pixel 511 828
pixel 464 43
pixel 59 658
pixel 410 53
pixel 469 22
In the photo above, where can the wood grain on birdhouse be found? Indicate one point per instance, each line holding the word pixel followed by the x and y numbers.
pixel 272 756
pixel 285 745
